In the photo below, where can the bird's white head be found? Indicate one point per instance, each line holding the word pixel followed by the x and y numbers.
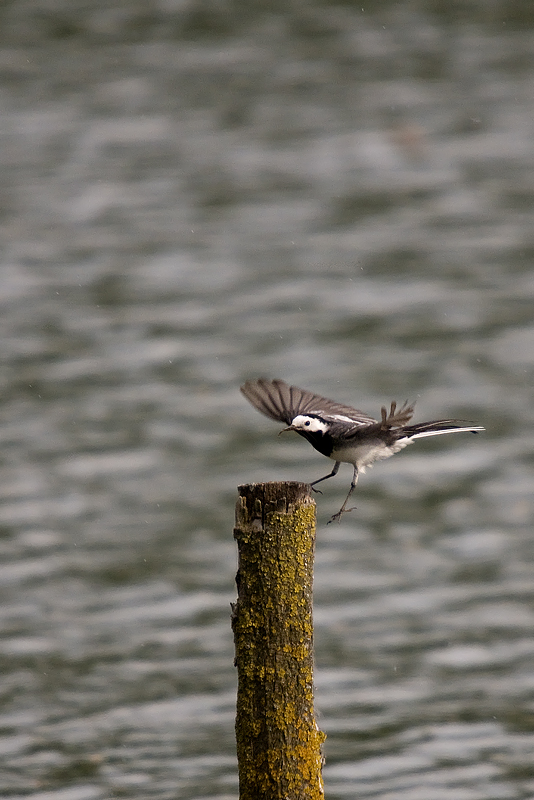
pixel 304 423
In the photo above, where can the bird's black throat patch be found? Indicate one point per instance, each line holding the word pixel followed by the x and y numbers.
pixel 322 442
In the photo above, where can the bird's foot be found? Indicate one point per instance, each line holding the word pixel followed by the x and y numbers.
pixel 341 511
pixel 312 487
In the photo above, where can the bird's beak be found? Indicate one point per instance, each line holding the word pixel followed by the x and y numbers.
pixel 291 428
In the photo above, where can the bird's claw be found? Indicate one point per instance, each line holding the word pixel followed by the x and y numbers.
pixel 339 513
pixel 316 490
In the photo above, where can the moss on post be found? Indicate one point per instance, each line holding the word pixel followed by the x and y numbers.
pixel 278 741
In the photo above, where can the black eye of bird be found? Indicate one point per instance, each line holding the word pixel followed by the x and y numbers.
pixel 307 422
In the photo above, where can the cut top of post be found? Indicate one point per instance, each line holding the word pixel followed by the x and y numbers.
pixel 258 500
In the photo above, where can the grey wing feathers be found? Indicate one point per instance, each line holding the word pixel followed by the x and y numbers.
pixel 396 418
pixel 272 398
pixel 283 403
pixel 395 421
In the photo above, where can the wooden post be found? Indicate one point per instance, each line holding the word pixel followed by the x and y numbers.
pixel 278 741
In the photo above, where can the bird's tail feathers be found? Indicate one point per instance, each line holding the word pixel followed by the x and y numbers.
pixel 439 427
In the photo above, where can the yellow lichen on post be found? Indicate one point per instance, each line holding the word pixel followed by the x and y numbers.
pixel 278 740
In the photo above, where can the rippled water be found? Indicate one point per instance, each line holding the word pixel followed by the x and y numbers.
pixel 193 196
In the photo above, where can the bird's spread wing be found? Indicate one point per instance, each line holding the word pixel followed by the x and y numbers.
pixel 283 403
pixel 397 417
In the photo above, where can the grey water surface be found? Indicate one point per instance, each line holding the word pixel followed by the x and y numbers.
pixel 194 194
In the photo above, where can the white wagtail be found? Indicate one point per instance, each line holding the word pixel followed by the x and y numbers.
pixel 340 432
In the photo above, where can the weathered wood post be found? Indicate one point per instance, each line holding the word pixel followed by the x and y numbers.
pixel 278 740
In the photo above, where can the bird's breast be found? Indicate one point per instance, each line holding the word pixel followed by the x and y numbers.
pixel 322 442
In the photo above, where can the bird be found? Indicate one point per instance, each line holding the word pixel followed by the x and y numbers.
pixel 343 433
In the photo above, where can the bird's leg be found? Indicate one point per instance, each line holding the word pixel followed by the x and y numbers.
pixel 344 510
pixel 330 475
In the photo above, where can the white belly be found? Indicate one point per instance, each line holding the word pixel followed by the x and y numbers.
pixel 364 455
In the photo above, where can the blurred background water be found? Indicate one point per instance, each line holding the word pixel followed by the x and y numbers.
pixel 198 192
